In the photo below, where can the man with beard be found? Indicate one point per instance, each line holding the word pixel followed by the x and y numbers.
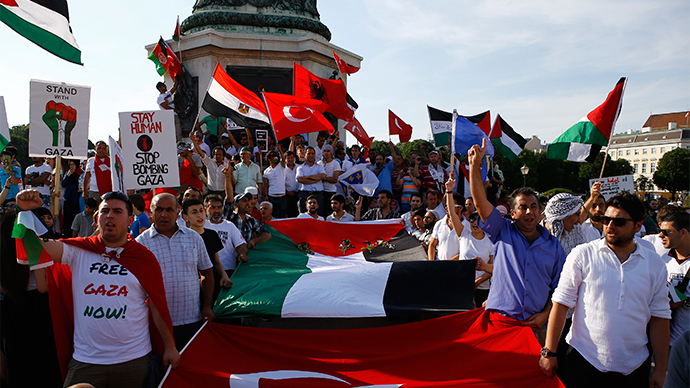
pixel 425 221
pixel 312 209
pixel 618 289
pixel 528 259
pixel 433 202
pixel 674 231
pixel 250 228
pixel 234 245
pixel 415 203
pixel 383 170
pixel 595 207
pixel 291 185
pixel 433 175
pixel 339 214
pixel 382 212
pixel 310 176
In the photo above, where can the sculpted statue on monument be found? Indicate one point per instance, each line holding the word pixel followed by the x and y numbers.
pixel 308 6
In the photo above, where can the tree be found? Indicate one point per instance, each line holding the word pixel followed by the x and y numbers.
pixel 19 137
pixel 672 172
pixel 642 183
pixel 593 170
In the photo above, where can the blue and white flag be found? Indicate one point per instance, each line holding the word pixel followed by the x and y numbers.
pixel 360 179
pixel 466 134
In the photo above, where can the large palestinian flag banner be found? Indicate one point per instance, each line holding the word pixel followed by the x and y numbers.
pixel 313 269
pixel 471 349
pixel 583 141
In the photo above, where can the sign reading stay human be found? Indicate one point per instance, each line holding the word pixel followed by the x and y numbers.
pixel 613 185
pixel 59 119
pixel 148 148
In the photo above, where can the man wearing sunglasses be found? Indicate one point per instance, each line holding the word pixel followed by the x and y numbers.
pixel 674 232
pixel 618 287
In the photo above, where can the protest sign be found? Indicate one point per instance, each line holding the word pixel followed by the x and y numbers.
pixel 613 185
pixel 59 119
pixel 148 147
pixel 117 173
pixel 262 139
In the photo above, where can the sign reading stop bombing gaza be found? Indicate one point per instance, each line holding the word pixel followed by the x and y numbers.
pixel 148 148
pixel 59 119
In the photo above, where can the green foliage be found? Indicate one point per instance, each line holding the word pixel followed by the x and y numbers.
pixel 642 183
pixel 672 172
pixel 19 137
pixel 557 190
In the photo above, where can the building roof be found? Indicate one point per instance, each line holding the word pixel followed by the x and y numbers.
pixel 659 122
pixel 642 137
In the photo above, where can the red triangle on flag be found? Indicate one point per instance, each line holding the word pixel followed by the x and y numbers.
pixel 605 115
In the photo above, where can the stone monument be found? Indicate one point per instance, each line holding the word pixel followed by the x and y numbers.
pixel 256 42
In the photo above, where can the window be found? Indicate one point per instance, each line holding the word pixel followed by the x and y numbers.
pixel 644 151
pixel 627 152
pixel 644 168
pixel 635 168
pixel 637 152
pixel 652 167
pixel 662 150
pixel 653 150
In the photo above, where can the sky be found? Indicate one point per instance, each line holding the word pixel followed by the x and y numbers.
pixel 541 64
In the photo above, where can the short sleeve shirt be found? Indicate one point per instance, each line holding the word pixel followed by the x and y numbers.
pixel 306 170
pixel 231 238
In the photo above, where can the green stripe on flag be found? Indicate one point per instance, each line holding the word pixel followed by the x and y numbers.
pixel 442 139
pixel 46 40
pixel 263 281
pixel 30 250
pixel 3 142
pixel 503 149
pixel 583 132
pixel 159 67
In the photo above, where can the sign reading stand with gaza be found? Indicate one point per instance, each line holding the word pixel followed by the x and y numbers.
pixel 59 120
pixel 148 148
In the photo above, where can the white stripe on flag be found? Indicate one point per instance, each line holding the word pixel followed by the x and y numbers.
pixel 31 222
pixel 4 127
pixel 44 18
pixel 343 287
pixel 510 143
pixel 224 97
pixel 440 126
pixel 578 152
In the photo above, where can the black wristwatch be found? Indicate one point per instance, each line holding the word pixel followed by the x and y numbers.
pixel 546 353
pixel 686 304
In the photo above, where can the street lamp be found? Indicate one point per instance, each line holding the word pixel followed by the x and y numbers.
pixel 525 171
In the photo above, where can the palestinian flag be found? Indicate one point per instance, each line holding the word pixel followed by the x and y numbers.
pixel 482 120
pixel 583 141
pixel 177 33
pixel 313 268
pixel 30 251
pixel 506 140
pixel 472 349
pixel 165 59
pixel 225 97
pixel 441 126
pixel 4 127
pixel 44 22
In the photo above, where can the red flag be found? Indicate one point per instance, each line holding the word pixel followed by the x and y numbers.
pixel 398 127
pixel 292 115
pixel 482 120
pixel 358 131
pixel 453 351
pixel 343 66
pixel 330 91
pixel 165 59
pixel 177 33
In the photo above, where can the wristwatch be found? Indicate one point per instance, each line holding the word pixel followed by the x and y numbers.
pixel 686 304
pixel 546 353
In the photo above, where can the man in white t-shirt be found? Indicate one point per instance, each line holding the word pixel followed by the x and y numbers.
pixel 330 182
pixel 38 177
pixel 97 179
pixel 165 102
pixel 112 279
pixel 274 184
pixel 234 245
pixel 312 209
pixel 444 243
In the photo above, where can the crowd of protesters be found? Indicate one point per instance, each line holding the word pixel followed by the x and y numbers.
pixel 557 265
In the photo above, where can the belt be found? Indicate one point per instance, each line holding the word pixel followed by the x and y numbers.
pixel 279 197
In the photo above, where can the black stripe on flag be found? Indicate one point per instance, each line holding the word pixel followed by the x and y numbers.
pixel 508 130
pixel 422 287
pixel 439 115
pixel 593 153
pixel 476 119
pixel 58 6
pixel 215 108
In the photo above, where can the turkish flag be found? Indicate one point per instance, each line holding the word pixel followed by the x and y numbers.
pixel 358 131
pixel 343 66
pixel 398 127
pixel 292 115
pixel 474 348
pixel 330 91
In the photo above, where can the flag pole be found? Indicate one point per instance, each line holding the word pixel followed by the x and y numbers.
pixel 453 159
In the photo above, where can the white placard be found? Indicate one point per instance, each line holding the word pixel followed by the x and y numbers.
pixel 148 147
pixel 613 185
pixel 59 119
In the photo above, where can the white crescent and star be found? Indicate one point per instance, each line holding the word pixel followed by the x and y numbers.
pixel 396 123
pixel 289 116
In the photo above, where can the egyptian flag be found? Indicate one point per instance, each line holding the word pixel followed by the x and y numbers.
pixel 30 251
pixel 398 127
pixel 476 349
pixel 44 22
pixel 355 128
pixel 225 97
pixel 441 126
pixel 343 66
pixel 330 91
pixel 165 59
pixel 506 140
pixel 313 268
pixel 292 115
pixel 583 141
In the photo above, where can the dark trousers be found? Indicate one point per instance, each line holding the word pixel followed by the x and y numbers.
pixel 292 205
pixel 184 333
pixel 280 206
pixel 303 201
pixel 577 372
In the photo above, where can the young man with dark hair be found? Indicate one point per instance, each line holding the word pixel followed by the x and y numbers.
pixel 82 225
pixel 312 209
pixel 339 214
pixel 97 179
pixel 674 231
pixel 382 212
pixel 141 219
pixel 618 289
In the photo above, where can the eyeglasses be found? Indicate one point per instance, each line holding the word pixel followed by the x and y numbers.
pixel 473 220
pixel 665 232
pixel 618 221
pixel 115 195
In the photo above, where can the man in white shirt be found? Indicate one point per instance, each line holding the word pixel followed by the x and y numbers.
pixel 415 203
pixel 339 214
pixel 234 245
pixel 214 167
pixel 674 230
pixel 330 182
pixel 444 243
pixel 274 184
pixel 617 288
pixel 310 176
pixel 291 185
pixel 38 177
pixel 97 179
pixel 312 209
pixel 434 202
pixel 165 102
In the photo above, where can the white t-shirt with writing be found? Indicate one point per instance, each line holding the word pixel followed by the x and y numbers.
pixel 110 314
pixel 231 237
pixel 43 188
